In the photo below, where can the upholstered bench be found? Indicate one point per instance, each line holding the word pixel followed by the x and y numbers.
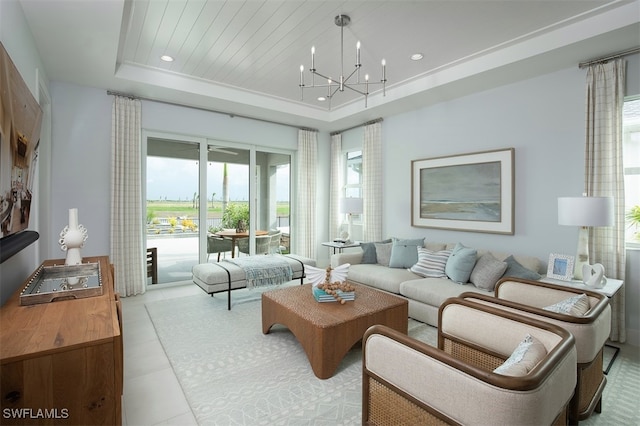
pixel 225 276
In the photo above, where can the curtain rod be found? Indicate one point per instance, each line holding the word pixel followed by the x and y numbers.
pixel 377 120
pixel 231 115
pixel 609 57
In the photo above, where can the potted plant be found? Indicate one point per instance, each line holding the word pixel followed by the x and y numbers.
pixel 633 217
pixel 234 213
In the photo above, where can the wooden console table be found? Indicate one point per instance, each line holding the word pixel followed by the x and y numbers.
pixel 62 362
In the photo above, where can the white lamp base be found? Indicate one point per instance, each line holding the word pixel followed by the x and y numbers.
pixel 582 256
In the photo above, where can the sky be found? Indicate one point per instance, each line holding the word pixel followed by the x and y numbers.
pixel 177 179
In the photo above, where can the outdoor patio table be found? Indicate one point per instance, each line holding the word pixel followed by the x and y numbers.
pixel 234 236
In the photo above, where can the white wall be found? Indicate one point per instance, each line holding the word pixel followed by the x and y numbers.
pixel 542 118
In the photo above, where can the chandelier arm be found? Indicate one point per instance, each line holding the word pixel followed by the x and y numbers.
pixel 350 87
pixel 326 79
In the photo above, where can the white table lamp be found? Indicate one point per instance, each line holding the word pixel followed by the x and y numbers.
pixel 351 206
pixel 584 212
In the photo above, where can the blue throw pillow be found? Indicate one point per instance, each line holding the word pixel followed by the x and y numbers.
pixel 368 253
pixel 461 263
pixel 516 270
pixel 404 253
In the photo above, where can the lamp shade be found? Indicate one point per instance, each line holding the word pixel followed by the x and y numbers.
pixel 351 205
pixel 585 211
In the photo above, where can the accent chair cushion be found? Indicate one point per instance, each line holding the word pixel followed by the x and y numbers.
pixel 430 263
pixel 526 355
pixel 487 271
pixel 461 263
pixel 404 253
pixel 516 270
pixel 576 306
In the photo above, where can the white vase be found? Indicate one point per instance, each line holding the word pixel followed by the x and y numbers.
pixel 72 239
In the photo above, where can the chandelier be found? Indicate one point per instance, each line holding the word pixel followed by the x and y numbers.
pixel 333 86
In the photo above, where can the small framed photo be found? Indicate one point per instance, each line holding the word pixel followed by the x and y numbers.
pixel 560 267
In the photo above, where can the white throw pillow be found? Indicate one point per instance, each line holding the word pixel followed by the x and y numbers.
pixel 430 263
pixel 525 356
pixel 576 306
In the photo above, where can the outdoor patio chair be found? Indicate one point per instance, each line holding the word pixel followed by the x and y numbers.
pixel 274 243
pixel 217 245
pixel 262 244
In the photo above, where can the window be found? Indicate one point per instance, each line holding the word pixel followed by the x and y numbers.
pixel 631 163
pixel 353 184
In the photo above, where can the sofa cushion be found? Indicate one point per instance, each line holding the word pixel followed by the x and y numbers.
pixel 487 272
pixel 404 253
pixel 383 253
pixel 434 291
pixel 526 355
pixel 517 270
pixel 430 263
pixel 460 263
pixel 380 277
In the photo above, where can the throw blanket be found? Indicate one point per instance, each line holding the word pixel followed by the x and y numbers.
pixel 264 269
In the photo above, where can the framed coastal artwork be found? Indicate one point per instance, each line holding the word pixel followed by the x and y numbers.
pixel 468 192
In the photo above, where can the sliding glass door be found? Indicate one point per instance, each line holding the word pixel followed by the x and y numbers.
pixel 200 191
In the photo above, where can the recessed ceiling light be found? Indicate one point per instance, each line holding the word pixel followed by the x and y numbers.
pixel 322 98
pixel 166 58
pixel 416 56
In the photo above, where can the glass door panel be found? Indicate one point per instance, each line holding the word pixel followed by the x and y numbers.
pixel 172 209
pixel 228 201
pixel 273 184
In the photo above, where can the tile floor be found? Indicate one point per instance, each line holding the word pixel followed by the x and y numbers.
pixel 152 393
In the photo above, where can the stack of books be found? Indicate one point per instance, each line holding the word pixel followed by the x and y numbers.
pixel 322 296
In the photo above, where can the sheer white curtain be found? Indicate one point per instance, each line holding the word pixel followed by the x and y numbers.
pixel 372 182
pixel 305 230
pixel 127 238
pixel 336 184
pixel 604 175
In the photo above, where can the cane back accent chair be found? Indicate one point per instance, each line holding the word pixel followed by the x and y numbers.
pixel 406 381
pixel 590 331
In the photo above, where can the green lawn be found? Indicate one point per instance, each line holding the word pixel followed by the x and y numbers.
pixel 165 209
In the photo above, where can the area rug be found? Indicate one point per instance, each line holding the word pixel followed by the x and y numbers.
pixel 231 373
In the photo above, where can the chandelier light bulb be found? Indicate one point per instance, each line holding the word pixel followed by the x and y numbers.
pixel 358 53
pixel 366 77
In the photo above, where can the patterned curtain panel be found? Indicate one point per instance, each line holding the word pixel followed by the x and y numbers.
pixel 372 182
pixel 604 175
pixel 305 230
pixel 127 238
pixel 335 185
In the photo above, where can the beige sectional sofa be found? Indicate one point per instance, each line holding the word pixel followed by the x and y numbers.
pixel 426 294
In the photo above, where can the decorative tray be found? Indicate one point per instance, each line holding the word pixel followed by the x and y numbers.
pixel 60 282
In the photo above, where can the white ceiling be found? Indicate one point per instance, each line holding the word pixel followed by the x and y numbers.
pixel 243 57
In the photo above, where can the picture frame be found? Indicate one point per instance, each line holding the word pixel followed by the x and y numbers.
pixel 468 192
pixel 560 267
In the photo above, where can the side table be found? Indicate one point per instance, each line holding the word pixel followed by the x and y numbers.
pixel 610 289
pixel 340 246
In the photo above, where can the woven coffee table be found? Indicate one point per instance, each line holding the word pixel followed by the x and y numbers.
pixel 327 331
